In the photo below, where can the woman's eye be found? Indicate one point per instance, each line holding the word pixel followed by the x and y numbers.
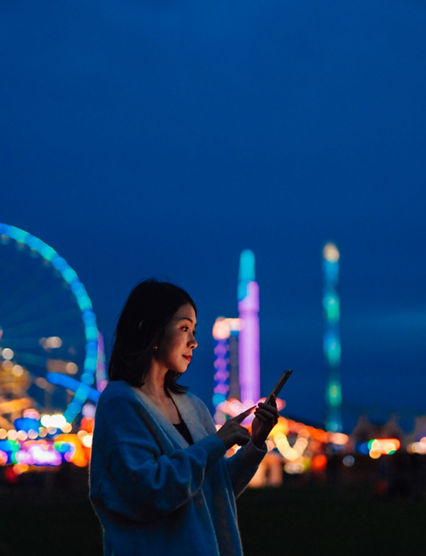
pixel 185 328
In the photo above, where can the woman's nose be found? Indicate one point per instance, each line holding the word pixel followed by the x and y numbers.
pixel 193 342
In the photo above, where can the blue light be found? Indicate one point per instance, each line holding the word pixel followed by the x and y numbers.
pixel 87 378
pixel 26 424
pixel 92 349
pixel 218 398
pixel 59 263
pixel 78 288
pixel 246 272
pixel 89 317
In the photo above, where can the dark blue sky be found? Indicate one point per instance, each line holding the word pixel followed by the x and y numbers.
pixel 161 138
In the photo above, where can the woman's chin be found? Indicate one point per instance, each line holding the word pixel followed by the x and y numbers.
pixel 180 370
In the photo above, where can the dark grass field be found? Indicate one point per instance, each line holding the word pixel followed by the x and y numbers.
pixel 48 520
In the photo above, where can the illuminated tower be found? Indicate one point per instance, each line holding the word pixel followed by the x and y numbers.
pixel 225 334
pixel 332 349
pixel 248 341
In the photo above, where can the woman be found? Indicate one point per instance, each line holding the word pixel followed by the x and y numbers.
pixel 159 480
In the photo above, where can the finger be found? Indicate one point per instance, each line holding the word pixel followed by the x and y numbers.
pixel 271 401
pixel 266 418
pixel 266 415
pixel 244 414
pixel 273 414
pixel 266 411
pixel 243 441
pixel 243 437
pixel 268 407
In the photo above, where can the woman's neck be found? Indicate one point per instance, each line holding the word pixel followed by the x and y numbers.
pixel 153 384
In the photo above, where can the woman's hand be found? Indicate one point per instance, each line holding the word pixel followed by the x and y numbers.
pixel 232 432
pixel 265 420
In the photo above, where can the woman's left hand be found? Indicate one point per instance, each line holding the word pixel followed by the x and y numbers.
pixel 266 417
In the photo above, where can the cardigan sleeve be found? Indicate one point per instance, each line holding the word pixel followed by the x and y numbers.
pixel 242 465
pixel 139 481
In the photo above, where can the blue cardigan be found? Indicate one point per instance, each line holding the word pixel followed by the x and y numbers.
pixel 153 493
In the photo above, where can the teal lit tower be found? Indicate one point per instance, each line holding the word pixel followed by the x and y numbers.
pixel 332 349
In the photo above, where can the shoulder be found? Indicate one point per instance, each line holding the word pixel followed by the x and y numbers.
pixel 118 400
pixel 116 390
pixel 121 414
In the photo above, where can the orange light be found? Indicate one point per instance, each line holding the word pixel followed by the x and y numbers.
pixel 79 458
pixel 339 438
pixel 20 468
pixel 319 462
pixel 87 424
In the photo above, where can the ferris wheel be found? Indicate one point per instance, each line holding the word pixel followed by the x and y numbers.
pixel 50 346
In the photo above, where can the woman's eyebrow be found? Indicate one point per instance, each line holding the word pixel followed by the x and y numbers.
pixel 187 318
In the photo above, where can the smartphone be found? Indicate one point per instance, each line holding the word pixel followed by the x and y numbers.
pixel 277 388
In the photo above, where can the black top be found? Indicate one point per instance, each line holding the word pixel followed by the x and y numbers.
pixel 183 429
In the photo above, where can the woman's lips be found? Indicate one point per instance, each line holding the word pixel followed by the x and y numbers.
pixel 187 357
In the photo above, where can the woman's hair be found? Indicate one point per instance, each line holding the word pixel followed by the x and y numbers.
pixel 141 325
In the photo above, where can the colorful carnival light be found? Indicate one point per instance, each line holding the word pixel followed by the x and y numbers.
pixel 418 447
pixel 69 276
pixel 332 348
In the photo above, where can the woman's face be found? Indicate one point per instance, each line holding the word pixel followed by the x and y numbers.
pixel 175 350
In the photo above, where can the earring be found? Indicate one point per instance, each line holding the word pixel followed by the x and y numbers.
pixel 155 348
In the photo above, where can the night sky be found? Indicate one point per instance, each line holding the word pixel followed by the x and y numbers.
pixel 159 139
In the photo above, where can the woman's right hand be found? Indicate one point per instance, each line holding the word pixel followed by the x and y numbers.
pixel 232 432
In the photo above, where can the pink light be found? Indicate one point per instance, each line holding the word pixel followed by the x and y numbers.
pixel 221 375
pixel 24 457
pixel 249 345
pixel 220 364
pixel 221 389
pixel 220 349
pixel 43 456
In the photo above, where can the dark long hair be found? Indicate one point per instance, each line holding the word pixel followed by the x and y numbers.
pixel 148 309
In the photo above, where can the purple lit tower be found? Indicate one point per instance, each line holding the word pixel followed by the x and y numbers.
pixel 248 340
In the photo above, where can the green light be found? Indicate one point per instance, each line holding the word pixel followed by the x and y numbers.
pixel 84 303
pixel 81 395
pixel 332 308
pixel 48 252
pixel 334 394
pixel 69 275
pixel 90 362
pixel 334 353
pixel 91 333
pixel 20 235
